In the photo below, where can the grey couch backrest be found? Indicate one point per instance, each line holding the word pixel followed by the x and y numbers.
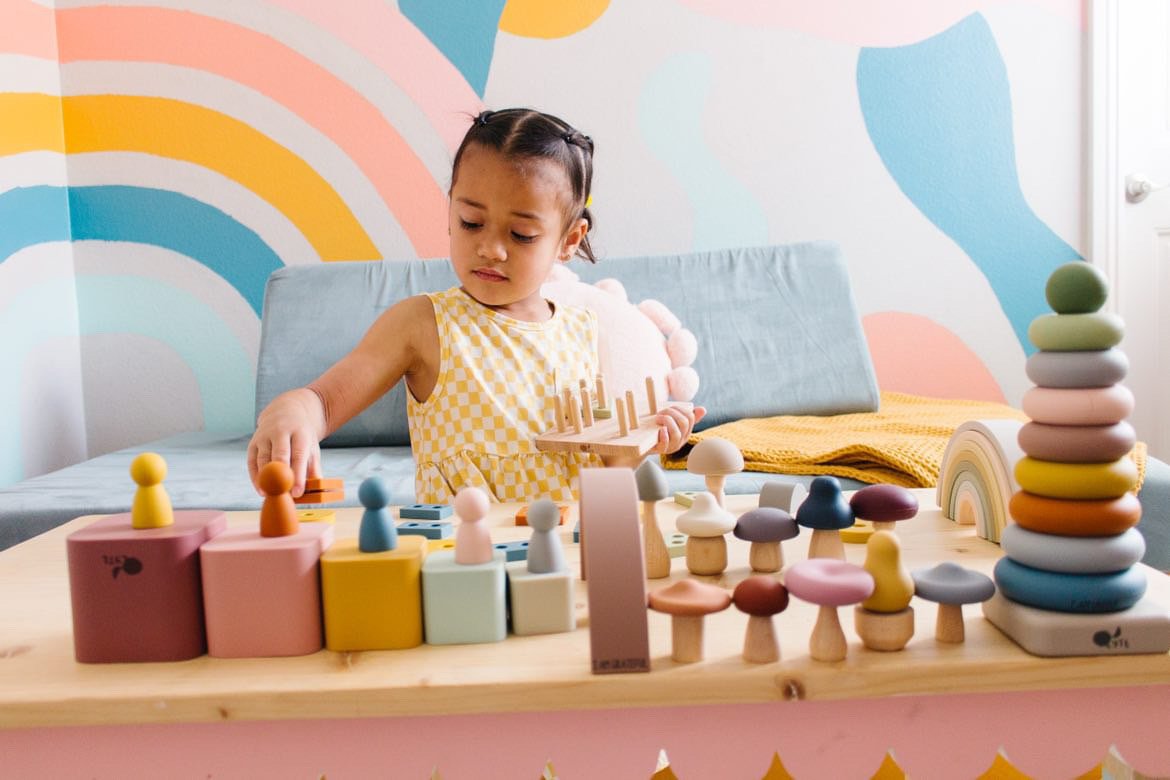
pixel 777 328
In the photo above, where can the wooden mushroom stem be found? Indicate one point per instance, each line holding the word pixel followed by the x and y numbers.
pixel 715 486
pixel 826 543
pixel 766 557
pixel 948 626
pixel 759 641
pixel 654 546
pixel 706 555
pixel 827 642
pixel 686 638
pixel 883 525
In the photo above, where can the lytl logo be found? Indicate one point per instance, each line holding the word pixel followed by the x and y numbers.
pixel 122 563
pixel 1112 641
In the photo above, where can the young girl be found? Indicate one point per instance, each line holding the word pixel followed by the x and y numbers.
pixel 478 359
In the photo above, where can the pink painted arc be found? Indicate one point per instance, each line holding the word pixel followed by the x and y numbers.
pixel 864 22
pixel 434 85
pixel 264 64
pixel 28 29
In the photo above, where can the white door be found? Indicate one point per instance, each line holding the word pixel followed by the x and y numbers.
pixel 1131 219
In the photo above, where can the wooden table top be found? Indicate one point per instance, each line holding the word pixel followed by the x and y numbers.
pixel 42 685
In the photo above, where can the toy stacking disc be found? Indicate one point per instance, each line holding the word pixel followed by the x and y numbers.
pixel 1077 443
pixel 1075 518
pixel 1076 480
pixel 1076 288
pixel 1073 554
pixel 1078 406
pixel 1060 592
pixel 1071 332
pixel 1090 368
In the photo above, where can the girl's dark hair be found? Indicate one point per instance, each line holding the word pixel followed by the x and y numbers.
pixel 525 133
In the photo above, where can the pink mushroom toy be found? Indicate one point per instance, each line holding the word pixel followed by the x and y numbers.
pixel 828 583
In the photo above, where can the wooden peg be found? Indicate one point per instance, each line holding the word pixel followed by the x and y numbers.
pixel 574 414
pixel 586 407
pixel 559 412
pixel 602 398
pixel 631 411
pixel 651 395
pixel 623 425
pixel 566 398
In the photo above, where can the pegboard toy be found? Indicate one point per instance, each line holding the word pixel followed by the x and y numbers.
pixel 261 588
pixel 425 512
pixel 618 633
pixel 685 497
pixel 321 490
pixel 136 592
pixel 430 529
pixel 464 599
pixel 514 550
pixel 630 434
pixel 541 589
pixel 371 587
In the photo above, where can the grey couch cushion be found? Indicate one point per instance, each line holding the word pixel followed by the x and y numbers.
pixel 777 328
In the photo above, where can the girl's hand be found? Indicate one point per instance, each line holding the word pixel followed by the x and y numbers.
pixel 288 431
pixel 674 427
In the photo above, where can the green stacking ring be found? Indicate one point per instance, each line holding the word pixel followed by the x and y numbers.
pixel 1076 332
pixel 1076 288
pixel 1077 480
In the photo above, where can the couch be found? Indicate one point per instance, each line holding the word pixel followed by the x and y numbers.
pixel 777 332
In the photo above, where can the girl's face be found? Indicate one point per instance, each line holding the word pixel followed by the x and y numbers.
pixel 507 226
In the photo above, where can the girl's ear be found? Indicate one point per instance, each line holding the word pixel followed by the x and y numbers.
pixel 573 238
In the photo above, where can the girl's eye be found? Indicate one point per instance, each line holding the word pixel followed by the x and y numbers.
pixel 523 239
pixel 463 223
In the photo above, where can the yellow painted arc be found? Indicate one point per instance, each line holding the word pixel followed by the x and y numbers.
pixel 182 131
pixel 542 19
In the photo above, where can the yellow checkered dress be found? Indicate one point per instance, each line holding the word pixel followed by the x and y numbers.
pixel 494 396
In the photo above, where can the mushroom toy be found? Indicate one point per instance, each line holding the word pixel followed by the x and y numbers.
pixel 765 528
pixel 884 505
pixel 952 586
pixel 828 583
pixel 652 488
pixel 688 602
pixel 885 620
pixel 705 524
pixel 760 597
pixel 826 512
pixel 715 459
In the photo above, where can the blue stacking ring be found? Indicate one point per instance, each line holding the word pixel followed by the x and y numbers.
pixel 1060 592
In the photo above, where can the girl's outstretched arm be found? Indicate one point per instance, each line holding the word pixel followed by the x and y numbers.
pixel 403 341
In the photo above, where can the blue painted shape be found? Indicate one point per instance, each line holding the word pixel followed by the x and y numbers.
pixel 425 511
pixel 32 215
pixel 513 551
pixel 671 118
pixel 376 532
pixel 463 30
pixel 940 116
pixel 128 304
pixel 431 529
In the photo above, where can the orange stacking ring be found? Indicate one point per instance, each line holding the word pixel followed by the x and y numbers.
pixel 1075 518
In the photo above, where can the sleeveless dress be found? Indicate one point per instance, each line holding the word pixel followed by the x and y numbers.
pixel 493 396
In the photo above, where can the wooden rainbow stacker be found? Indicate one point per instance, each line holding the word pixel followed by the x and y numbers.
pixel 585 422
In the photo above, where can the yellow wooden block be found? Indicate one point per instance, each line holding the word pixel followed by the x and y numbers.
pixel 316 515
pixel 1077 480
pixel 439 544
pixel 373 601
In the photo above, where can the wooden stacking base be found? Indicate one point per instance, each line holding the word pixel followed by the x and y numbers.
pixel 604 438
pixel 1143 628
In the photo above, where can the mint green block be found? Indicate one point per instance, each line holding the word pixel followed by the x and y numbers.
pixel 463 604
pixel 1076 332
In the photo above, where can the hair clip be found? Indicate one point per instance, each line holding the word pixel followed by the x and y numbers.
pixel 589 201
pixel 483 118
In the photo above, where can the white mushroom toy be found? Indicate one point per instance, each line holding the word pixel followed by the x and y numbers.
pixel 705 525
pixel 715 459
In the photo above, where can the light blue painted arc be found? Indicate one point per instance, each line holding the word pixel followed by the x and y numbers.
pixel 939 114
pixel 128 304
pixel 31 215
pixel 463 30
pixel 670 118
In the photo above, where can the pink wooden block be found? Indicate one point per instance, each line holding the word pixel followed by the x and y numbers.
pixel 136 593
pixel 261 594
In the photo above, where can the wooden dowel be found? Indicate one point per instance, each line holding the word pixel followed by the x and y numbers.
pixel 651 395
pixel 631 412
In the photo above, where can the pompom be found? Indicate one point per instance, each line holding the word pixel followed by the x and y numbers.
pixel 682 383
pixel 660 315
pixel 613 287
pixel 683 348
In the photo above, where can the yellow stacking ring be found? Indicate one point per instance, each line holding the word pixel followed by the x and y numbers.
pixel 1077 480
pixel 1075 518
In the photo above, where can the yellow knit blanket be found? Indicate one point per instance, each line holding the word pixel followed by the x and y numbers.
pixel 902 443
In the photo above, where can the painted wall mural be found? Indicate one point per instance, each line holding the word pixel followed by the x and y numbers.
pixel 158 159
